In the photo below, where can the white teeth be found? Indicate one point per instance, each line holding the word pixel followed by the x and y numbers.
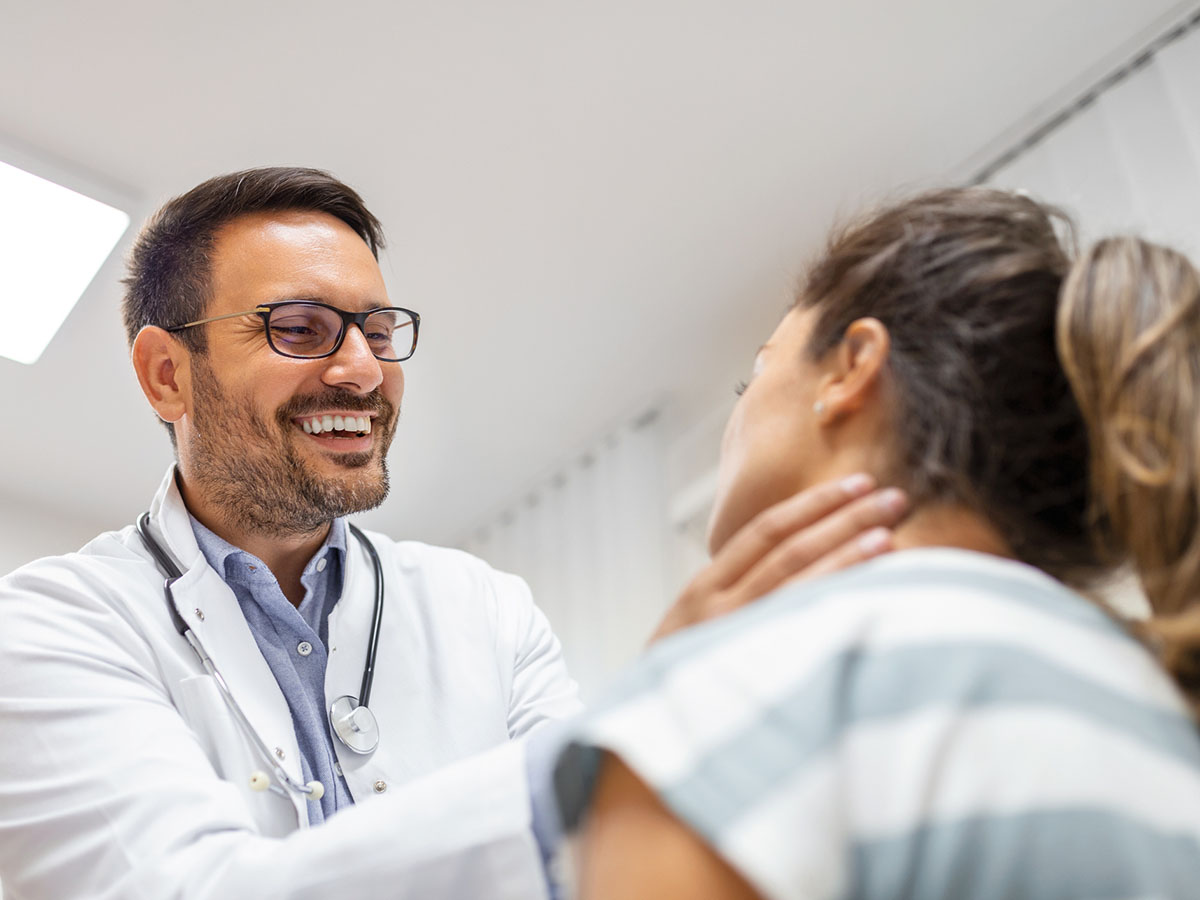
pixel 350 424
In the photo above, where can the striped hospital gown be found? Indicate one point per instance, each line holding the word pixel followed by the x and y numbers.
pixel 932 724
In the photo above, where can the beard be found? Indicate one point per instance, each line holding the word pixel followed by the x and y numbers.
pixel 252 470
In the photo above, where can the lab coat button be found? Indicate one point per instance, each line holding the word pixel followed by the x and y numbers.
pixel 380 786
pixel 304 648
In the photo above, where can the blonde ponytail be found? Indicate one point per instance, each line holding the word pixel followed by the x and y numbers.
pixel 1129 340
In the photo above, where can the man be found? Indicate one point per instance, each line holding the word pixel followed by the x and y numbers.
pixel 181 742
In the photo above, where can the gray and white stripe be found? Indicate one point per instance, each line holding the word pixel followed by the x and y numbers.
pixel 914 722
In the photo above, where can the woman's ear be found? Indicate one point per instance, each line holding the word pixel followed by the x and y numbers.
pixel 162 366
pixel 857 364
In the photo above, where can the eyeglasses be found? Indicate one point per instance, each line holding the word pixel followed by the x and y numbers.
pixel 306 329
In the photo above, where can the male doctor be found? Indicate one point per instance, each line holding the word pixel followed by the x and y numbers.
pixel 137 762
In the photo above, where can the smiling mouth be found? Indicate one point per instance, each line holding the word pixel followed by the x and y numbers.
pixel 337 426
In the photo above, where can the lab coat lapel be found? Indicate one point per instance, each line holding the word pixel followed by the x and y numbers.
pixel 212 611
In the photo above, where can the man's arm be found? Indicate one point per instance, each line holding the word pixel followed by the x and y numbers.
pixel 542 690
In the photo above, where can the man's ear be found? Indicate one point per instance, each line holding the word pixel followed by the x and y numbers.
pixel 163 370
pixel 858 362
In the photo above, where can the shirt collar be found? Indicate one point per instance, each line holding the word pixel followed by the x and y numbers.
pixel 226 559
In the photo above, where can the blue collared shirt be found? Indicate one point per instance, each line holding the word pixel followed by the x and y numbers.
pixel 294 643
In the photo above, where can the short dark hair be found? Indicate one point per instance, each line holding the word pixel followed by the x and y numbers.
pixel 967 282
pixel 169 267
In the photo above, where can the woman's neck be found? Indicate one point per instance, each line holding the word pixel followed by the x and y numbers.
pixel 946 525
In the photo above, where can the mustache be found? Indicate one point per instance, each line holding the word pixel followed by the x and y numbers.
pixel 310 403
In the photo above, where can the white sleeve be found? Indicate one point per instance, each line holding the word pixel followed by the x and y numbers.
pixel 106 792
pixel 541 688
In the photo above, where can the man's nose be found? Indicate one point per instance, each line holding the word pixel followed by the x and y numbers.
pixel 354 366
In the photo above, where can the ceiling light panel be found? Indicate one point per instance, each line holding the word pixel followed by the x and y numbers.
pixel 53 240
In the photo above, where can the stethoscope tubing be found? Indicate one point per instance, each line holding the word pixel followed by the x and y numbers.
pixel 313 790
pixel 368 679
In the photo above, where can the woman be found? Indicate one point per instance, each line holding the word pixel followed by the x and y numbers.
pixel 954 719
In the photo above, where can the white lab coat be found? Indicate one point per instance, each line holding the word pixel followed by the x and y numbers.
pixel 123 775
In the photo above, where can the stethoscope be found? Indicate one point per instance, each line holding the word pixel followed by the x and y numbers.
pixel 352 722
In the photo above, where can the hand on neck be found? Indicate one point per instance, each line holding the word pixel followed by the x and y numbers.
pixel 929 524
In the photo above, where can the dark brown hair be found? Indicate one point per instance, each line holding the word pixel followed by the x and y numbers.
pixel 967 282
pixel 169 266
pixel 1059 399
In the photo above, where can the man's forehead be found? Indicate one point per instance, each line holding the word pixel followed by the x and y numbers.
pixel 293 256
pixel 297 252
pixel 282 230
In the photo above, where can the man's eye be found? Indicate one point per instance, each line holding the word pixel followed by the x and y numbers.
pixel 294 334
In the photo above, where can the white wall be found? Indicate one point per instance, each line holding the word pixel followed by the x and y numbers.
pixel 609 538
pixel 28 530
pixel 589 540
pixel 1129 159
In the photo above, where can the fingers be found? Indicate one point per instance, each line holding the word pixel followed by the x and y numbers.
pixel 866 546
pixel 851 534
pixel 775 525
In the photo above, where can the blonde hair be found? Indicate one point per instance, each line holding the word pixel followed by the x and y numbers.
pixel 1129 340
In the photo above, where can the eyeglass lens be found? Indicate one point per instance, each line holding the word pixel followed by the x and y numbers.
pixel 302 329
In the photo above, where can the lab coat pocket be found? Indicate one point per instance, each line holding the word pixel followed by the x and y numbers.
pixel 231 753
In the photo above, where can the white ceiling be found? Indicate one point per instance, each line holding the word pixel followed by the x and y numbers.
pixel 592 205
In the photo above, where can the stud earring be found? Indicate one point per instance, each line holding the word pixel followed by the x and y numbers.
pixel 818 407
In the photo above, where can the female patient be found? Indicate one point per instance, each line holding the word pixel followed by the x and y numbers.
pixel 954 719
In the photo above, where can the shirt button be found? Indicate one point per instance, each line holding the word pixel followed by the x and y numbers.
pixel 337 767
pixel 321 564
pixel 380 786
pixel 304 648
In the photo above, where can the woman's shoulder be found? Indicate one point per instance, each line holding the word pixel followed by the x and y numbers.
pixel 927 686
pixel 962 613
pixel 929 636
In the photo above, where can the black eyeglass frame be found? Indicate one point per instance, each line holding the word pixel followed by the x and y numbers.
pixel 264 310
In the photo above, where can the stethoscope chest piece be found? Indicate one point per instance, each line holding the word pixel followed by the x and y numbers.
pixel 354 725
